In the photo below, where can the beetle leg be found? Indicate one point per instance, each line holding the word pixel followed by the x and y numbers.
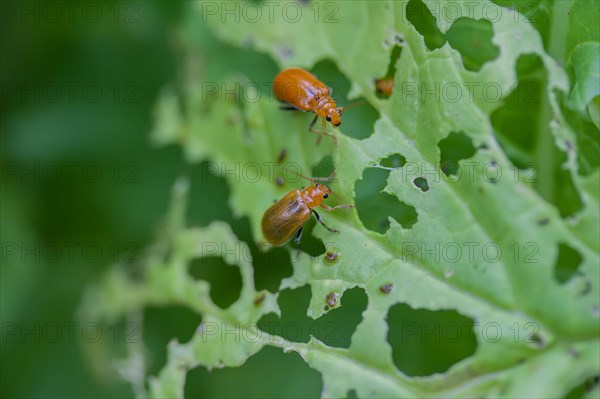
pixel 328 208
pixel 323 224
pixel 298 236
pixel 323 131
pixel 312 124
pixel 287 108
pixel 326 179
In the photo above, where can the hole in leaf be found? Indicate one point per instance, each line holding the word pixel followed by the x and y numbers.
pixel 225 280
pixel 473 39
pixel 515 122
pixel 374 207
pixel 393 161
pixel 293 324
pixel 421 183
pixel 536 340
pixel 567 263
pixel 324 168
pixel 424 22
pixel 425 342
pixel 287 374
pixel 270 267
pixel 205 181
pixel 161 325
pixel 584 390
pixel 588 139
pixel 522 127
pixel 310 244
pixel 357 122
pixel 538 13
pixel 564 195
pixel 385 85
pixel 456 147
pixel 334 328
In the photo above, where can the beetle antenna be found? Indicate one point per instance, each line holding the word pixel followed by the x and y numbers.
pixel 313 179
pixel 352 105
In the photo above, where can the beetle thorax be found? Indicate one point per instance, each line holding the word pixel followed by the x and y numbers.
pixel 312 196
pixel 324 105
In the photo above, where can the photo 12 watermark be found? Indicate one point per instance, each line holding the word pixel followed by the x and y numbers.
pixel 269 11
pixel 469 252
pixel 233 254
pixel 50 92
pixel 449 92
pixel 519 11
pixel 69 172
pixel 69 252
pixel 70 12
pixel 70 332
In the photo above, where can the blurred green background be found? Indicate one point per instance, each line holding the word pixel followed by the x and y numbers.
pixel 83 187
pixel 81 183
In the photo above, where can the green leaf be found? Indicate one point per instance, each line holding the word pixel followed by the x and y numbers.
pixel 508 233
pixel 583 51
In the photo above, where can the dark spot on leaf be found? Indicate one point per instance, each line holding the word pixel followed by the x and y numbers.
pixel 543 222
pixel 225 280
pixel 259 299
pixel 279 182
pixel 573 352
pixel 567 263
pixel 587 288
pixel 282 155
pixel 386 288
pixel 286 52
pixel 331 258
pixel 249 42
pixel 425 342
pixel 331 299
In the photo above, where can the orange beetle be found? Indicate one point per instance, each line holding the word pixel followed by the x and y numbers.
pixel 385 86
pixel 302 90
pixel 288 215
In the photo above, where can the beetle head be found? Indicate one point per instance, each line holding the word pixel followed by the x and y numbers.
pixel 325 190
pixel 334 116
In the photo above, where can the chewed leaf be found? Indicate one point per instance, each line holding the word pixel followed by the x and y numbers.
pixel 479 236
